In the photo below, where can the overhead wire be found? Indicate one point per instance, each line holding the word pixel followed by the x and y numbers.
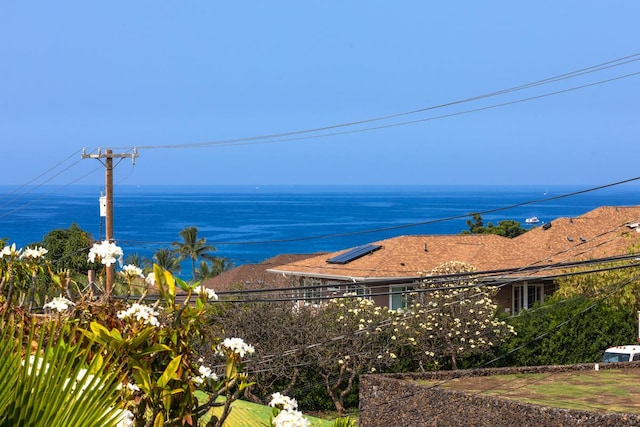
pixel 270 137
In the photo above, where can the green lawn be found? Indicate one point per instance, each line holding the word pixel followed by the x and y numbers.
pixel 248 414
pixel 616 390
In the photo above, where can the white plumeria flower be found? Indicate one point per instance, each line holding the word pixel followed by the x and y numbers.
pixel 126 419
pixel 107 252
pixel 209 293
pixel 150 279
pixel 290 419
pixel 10 251
pixel 205 374
pixel 59 304
pixel 132 270
pixel 283 402
pixel 34 253
pixel 140 312
pixel 237 346
pixel 132 387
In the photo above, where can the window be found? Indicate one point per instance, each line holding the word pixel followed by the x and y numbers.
pixel 398 297
pixel 311 294
pixel 359 290
pixel 525 296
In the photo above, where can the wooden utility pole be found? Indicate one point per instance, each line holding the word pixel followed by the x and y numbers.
pixel 108 157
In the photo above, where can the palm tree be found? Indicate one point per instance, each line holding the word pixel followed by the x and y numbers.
pixel 217 266
pixel 167 259
pixel 138 260
pixel 193 247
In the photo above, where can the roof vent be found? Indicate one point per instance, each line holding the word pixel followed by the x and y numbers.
pixel 569 238
pixel 546 226
pixel 582 239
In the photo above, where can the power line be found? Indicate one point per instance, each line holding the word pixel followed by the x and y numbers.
pixel 278 137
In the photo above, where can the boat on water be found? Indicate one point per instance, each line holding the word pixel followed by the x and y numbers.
pixel 532 220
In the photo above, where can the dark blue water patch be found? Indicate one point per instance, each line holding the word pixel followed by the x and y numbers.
pixel 249 224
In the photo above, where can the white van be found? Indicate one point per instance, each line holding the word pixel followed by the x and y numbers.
pixel 621 353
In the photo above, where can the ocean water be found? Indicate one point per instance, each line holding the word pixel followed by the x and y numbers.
pixel 250 224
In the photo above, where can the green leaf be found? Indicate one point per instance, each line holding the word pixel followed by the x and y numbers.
pixel 142 379
pixel 159 421
pixel 141 338
pixel 100 331
pixel 155 349
pixel 184 285
pixel 115 333
pixel 231 369
pixel 171 286
pixel 170 371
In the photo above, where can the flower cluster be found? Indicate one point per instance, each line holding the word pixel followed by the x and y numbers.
pixel 283 402
pixel 140 312
pixel 236 346
pixel 289 416
pixel 132 271
pixel 205 374
pixel 33 253
pixel 107 252
pixel 210 294
pixel 10 251
pixel 59 304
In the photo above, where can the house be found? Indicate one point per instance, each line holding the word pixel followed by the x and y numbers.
pixel 386 269
pixel 255 276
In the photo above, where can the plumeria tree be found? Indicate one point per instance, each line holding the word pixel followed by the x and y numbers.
pixel 452 315
pixel 353 338
pixel 34 263
pixel 19 271
pixel 156 344
pixel 133 276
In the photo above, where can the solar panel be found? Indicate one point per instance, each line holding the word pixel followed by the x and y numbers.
pixel 352 254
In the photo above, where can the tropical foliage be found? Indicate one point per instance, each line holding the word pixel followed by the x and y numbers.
pixel 566 331
pixel 193 247
pixel 56 382
pixel 505 228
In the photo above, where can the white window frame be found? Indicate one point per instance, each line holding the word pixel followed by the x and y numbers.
pixel 521 296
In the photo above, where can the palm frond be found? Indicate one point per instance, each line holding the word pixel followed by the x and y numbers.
pixel 58 382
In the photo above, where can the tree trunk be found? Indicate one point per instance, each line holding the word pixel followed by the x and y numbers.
pixel 32 291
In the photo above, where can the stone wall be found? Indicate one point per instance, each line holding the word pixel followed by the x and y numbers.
pixel 399 400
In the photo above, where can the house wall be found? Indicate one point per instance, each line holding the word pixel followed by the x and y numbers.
pixel 401 400
pixel 380 295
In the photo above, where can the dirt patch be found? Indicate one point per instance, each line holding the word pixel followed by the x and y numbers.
pixel 615 390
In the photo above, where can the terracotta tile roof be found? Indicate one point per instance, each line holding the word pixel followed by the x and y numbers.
pixel 604 232
pixel 254 276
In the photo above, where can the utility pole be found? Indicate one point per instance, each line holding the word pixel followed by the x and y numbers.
pixel 108 157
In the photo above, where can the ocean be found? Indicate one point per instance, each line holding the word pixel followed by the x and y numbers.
pixel 250 224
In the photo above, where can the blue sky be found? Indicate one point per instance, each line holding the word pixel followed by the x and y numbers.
pixel 152 74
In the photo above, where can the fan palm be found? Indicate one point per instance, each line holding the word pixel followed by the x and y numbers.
pixel 58 385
